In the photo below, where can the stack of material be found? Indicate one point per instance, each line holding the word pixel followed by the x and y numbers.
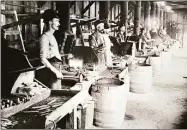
pixel 34 117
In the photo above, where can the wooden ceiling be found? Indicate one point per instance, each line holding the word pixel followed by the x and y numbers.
pixel 177 5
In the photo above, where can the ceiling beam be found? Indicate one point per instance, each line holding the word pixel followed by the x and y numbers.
pixel 88 6
pixel 179 7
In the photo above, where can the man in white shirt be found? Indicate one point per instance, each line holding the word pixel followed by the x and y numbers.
pixel 49 51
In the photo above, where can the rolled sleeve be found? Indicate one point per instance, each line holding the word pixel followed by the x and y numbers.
pixel 44 46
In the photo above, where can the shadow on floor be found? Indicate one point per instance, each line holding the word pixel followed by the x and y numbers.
pixel 129 117
pixel 182 124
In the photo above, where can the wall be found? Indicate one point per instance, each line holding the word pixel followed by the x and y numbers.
pixel 29 31
pixel 179 17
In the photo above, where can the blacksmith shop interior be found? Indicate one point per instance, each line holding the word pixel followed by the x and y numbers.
pixel 93 64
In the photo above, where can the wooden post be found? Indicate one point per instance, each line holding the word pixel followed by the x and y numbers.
pixel 158 14
pixel 64 10
pixel 153 10
pixel 161 18
pixel 75 118
pixel 183 29
pixel 23 26
pixel 104 7
pixel 164 18
pixel 124 13
pixel 137 17
pixel 153 14
pixel 147 14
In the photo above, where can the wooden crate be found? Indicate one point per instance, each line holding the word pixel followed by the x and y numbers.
pixel 7 112
pixel 26 77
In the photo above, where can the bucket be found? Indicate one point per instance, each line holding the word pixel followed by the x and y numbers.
pixel 110 105
pixel 140 78
pixel 155 62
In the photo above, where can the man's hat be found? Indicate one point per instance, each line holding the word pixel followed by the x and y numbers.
pixel 98 22
pixel 106 25
pixel 49 15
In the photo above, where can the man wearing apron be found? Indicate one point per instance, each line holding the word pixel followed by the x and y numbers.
pixel 97 41
pixel 49 52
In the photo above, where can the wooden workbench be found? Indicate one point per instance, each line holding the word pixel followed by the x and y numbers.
pixel 79 96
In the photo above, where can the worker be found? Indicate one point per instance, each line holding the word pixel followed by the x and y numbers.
pixel 121 34
pixel 145 40
pixel 154 35
pixel 108 44
pixel 96 41
pixel 49 51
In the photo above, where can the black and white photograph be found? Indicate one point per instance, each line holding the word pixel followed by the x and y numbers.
pixel 93 64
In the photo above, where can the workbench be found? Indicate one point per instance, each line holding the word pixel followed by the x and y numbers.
pixel 78 95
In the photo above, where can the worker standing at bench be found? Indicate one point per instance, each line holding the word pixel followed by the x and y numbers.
pixel 96 41
pixel 49 52
pixel 121 35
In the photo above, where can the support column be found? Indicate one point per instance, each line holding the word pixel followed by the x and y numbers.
pixel 137 16
pixel 161 18
pixel 164 19
pixel 147 14
pixel 124 13
pixel 104 7
pixel 153 10
pixel 64 10
pixel 158 14
pixel 153 13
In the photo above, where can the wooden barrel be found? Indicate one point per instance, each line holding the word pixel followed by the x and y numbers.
pixel 172 49
pixel 165 58
pixel 110 105
pixel 140 78
pixel 155 62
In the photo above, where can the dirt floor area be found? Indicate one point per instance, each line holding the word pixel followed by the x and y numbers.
pixel 165 107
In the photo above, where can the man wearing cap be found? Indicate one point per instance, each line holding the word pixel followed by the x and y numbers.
pixel 96 41
pixel 49 51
